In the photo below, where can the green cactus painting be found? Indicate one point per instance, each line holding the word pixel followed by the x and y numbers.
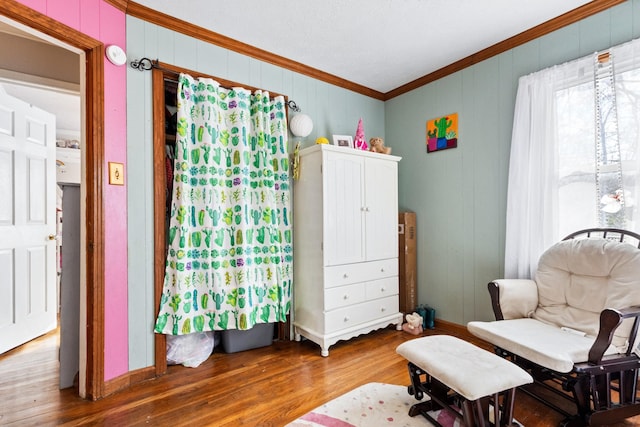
pixel 442 124
pixel 442 133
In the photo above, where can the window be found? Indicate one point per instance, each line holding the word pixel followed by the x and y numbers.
pixel 574 153
pixel 597 187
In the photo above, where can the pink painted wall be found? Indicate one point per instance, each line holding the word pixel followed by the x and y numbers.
pixel 106 23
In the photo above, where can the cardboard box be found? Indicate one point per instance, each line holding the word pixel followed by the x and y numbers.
pixel 407 262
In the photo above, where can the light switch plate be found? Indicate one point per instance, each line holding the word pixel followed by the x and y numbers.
pixel 116 173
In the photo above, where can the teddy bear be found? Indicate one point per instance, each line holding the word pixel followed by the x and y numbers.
pixel 414 324
pixel 377 146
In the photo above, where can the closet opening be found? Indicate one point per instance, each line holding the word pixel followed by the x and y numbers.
pixel 165 87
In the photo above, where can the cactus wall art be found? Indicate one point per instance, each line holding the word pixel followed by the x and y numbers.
pixel 442 133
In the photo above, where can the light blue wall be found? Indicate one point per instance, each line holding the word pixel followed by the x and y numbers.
pixel 459 195
pixel 334 111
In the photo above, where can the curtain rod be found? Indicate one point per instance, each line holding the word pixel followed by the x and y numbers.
pixel 146 64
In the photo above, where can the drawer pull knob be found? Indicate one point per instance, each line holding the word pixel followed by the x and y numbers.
pixel 382 289
pixel 345 275
pixel 382 269
pixel 346 318
pixel 383 309
pixel 346 296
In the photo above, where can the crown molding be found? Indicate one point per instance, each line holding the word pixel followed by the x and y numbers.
pixel 547 27
pixel 118 4
pixel 142 12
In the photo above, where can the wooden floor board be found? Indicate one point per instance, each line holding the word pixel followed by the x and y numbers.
pixel 270 386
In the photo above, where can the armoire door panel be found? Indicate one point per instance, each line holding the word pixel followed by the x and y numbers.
pixel 344 202
pixel 381 209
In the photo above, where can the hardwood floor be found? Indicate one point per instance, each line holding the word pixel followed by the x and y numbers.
pixel 271 386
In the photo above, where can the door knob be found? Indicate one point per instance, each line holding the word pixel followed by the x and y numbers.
pixel 52 237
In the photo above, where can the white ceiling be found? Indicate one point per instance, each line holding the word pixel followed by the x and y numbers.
pixel 380 44
pixel 65 105
pixel 43 93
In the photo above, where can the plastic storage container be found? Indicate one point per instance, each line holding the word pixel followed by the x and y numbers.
pixel 261 335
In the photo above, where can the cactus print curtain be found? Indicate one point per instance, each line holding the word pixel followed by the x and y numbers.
pixel 229 260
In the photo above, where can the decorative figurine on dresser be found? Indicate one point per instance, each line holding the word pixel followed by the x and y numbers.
pixel 345 244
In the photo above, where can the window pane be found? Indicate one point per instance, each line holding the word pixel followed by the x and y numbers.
pixel 576 169
pixel 579 204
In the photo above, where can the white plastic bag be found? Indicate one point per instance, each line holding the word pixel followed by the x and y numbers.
pixel 189 350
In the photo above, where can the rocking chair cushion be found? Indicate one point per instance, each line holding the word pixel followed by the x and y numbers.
pixel 541 343
pixel 518 297
pixel 577 279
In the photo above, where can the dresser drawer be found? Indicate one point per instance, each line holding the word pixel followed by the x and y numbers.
pixel 353 315
pixel 344 295
pixel 381 288
pixel 360 272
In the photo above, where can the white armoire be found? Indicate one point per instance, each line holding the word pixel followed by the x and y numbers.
pixel 345 244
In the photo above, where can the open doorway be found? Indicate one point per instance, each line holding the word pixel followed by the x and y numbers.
pixel 91 51
pixel 46 77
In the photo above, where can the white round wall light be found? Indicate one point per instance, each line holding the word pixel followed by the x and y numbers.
pixel 116 55
pixel 301 125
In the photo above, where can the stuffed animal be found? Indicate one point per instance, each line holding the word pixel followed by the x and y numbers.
pixel 377 146
pixel 414 324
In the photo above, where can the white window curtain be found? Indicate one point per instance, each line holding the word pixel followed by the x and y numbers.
pixel 552 188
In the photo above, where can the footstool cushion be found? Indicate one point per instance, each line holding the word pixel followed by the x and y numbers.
pixel 467 369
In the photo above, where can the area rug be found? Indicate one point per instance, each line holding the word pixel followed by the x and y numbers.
pixel 371 405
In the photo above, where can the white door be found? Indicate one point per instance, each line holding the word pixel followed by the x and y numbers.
pixel 27 222
pixel 381 200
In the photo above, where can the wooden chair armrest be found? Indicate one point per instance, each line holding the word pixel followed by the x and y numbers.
pixel 494 293
pixel 610 319
pixel 513 298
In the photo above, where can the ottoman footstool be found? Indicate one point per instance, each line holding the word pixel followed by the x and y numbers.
pixel 462 378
